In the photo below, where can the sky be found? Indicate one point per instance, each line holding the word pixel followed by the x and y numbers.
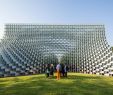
pixel 58 12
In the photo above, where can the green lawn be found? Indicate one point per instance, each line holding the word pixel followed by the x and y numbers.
pixel 75 84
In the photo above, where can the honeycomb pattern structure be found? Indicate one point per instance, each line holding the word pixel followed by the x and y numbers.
pixel 27 48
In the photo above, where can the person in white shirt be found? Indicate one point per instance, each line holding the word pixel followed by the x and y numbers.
pixel 58 68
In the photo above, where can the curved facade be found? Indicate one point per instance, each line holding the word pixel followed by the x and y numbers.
pixel 26 48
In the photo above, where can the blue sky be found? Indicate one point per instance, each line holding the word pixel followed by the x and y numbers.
pixel 58 12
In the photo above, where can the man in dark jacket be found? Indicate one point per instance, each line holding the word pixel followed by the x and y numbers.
pixel 47 70
pixel 51 69
pixel 62 70
pixel 66 69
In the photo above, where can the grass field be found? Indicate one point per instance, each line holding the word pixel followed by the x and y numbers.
pixel 75 84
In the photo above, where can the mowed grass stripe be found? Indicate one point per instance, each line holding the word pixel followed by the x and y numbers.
pixel 75 84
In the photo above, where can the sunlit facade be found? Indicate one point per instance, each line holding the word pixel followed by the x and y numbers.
pixel 26 48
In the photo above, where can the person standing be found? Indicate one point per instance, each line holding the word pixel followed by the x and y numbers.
pixel 62 70
pixel 51 69
pixel 58 68
pixel 47 70
pixel 66 70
